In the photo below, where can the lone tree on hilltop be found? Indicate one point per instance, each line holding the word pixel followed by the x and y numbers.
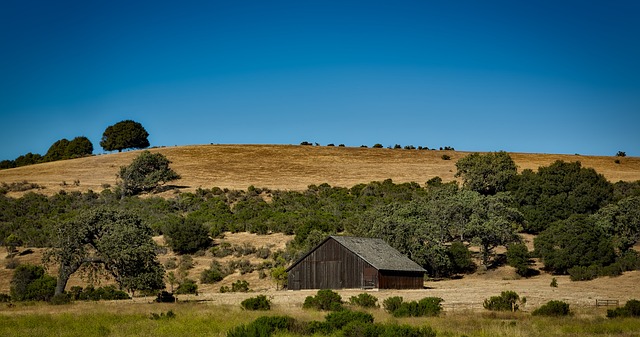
pixel 125 135
pixel 145 173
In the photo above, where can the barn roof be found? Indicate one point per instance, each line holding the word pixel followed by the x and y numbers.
pixel 374 251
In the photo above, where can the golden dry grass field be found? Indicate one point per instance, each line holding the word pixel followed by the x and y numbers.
pixel 288 167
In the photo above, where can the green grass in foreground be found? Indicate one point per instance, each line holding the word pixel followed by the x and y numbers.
pixel 128 319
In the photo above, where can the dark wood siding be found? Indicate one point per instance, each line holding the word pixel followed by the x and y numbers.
pixel 401 280
pixel 332 266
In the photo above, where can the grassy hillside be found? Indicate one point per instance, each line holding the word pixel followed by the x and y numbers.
pixel 288 167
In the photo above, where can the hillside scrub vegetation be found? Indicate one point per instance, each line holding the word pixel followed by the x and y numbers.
pixel 436 225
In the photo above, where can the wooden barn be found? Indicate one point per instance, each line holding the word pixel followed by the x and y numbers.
pixel 353 262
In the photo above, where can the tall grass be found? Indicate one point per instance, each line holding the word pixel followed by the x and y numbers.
pixel 191 319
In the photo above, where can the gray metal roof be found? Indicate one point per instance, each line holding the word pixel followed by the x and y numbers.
pixel 378 253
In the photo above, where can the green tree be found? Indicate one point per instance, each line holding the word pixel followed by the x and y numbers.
pixel 57 151
pixel 28 159
pixel 125 135
pixel 280 275
pixel 494 223
pixel 488 173
pixel 575 242
pixel 110 241
pixel 622 221
pixel 558 191
pixel 79 147
pixel 518 257
pixel 187 236
pixel 147 172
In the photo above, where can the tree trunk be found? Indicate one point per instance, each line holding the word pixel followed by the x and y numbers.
pixel 63 277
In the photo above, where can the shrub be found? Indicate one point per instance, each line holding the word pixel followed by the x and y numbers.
pixel 518 257
pixel 458 253
pixel 187 236
pixel 31 283
pixel 554 283
pixel 188 286
pixel 428 306
pixel 237 286
pixel 364 300
pixel 339 319
pixel 553 308
pixel 392 304
pixel 5 297
pixel 315 327
pixel 60 299
pixel 362 329
pixel 165 297
pixel 263 326
pixel 507 301
pixel 580 273
pixel 214 274
pixel 260 302
pixel 325 299
pixel 446 157
pixel 103 293
pixel 630 309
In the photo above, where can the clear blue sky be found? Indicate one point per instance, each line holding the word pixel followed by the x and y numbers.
pixel 523 76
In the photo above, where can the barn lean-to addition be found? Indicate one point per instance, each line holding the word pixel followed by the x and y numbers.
pixel 341 262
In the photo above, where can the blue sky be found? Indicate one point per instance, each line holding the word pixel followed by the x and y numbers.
pixel 521 76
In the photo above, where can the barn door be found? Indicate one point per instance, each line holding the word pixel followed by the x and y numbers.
pixel 294 280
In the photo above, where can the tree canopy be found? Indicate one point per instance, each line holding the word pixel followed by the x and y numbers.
pixel 145 173
pixel 557 191
pixel 107 240
pixel 576 241
pixel 125 135
pixel 488 173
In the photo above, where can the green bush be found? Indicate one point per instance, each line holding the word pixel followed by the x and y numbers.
pixel 103 293
pixel 364 300
pixel 392 304
pixel 580 273
pixel 188 286
pixel 339 319
pixel 214 274
pixel 507 301
pixel 5 297
pixel 315 327
pixel 165 297
pixel 630 309
pixel 325 299
pixel 263 326
pixel 552 308
pixel 241 286
pixel 260 302
pixel 428 306
pixel 518 257
pixel 30 283
pixel 61 299
pixel 362 329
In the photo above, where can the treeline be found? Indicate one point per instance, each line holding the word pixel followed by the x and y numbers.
pixel 584 222
pixel 61 149
pixel 122 135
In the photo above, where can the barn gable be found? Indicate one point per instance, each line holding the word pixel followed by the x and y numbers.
pixel 354 262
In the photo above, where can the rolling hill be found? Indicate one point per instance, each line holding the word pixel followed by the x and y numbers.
pixel 288 167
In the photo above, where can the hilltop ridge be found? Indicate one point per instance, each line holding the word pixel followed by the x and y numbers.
pixel 288 167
